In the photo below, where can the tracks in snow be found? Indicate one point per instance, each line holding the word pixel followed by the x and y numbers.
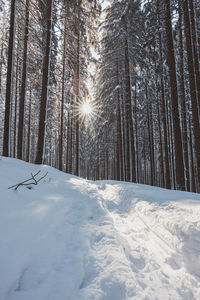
pixel 150 249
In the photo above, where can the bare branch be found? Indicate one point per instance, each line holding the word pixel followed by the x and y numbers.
pixel 27 183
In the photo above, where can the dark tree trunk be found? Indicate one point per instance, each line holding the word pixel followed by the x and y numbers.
pixel 45 80
pixel 9 80
pixel 178 153
pixel 77 88
pixel 23 87
pixel 163 106
pixel 71 148
pixel 192 175
pixel 136 133
pixel 160 136
pixel 63 97
pixel 130 131
pixel 183 102
pixel 124 142
pixel 150 136
pixel 16 101
pixel 195 53
pixel 29 128
pixel 119 135
pixel 1 60
pixel 193 95
pixel 68 143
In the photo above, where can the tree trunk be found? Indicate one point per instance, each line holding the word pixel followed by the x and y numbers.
pixel 195 53
pixel 23 86
pixel 163 107
pixel 77 88
pixel 45 80
pixel 63 97
pixel 183 102
pixel 160 137
pixel 16 101
pixel 136 134
pixel 130 131
pixel 29 128
pixel 9 80
pixel 193 95
pixel 179 165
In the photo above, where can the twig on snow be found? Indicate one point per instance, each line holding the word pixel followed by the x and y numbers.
pixel 27 183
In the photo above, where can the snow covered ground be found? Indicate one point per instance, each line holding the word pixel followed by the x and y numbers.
pixel 73 239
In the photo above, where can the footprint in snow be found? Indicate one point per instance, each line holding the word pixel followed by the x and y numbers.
pixel 139 263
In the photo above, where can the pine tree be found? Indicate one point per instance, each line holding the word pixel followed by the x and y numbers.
pixel 9 80
pixel 45 80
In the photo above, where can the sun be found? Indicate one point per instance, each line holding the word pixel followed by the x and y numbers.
pixel 86 109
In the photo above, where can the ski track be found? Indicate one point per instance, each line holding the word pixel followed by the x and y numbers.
pixel 164 265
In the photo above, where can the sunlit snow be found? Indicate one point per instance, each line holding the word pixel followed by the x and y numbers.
pixel 73 239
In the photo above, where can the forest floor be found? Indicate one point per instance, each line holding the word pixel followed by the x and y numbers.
pixel 72 239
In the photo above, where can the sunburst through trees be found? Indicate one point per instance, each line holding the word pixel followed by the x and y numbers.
pixel 87 111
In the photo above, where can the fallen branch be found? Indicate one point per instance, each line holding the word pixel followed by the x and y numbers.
pixel 27 183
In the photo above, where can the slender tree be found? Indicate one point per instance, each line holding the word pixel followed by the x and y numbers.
pixel 23 85
pixel 9 80
pixel 45 80
pixel 178 153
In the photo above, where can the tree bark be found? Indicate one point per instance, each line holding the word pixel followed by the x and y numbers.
pixel 195 53
pixel 183 100
pixel 178 153
pixel 9 80
pixel 45 80
pixel 193 95
pixel 23 87
pixel 63 96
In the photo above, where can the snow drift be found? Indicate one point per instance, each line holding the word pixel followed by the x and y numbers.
pixel 73 239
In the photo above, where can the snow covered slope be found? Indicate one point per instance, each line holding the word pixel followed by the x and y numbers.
pixel 72 239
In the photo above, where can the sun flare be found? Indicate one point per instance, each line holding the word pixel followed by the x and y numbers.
pixel 86 109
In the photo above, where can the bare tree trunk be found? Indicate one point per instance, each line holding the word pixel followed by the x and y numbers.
pixel 183 102
pixel 68 143
pixel 163 107
pixel 160 136
pixel 124 142
pixel 16 101
pixel 9 80
pixel 193 95
pixel 150 136
pixel 63 96
pixel 77 89
pixel 119 135
pixel 178 152
pixel 192 175
pixel 129 125
pixel 45 80
pixel 195 53
pixel 23 87
pixel 29 128
pixel 136 133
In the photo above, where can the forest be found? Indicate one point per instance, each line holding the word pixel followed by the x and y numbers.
pixel 103 89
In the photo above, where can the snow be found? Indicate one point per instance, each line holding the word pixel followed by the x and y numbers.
pixel 73 239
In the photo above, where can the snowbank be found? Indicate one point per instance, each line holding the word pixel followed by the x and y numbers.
pixel 73 239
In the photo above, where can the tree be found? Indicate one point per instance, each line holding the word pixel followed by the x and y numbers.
pixel 178 153
pixel 9 80
pixel 23 85
pixel 45 80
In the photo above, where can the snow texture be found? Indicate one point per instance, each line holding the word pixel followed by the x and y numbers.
pixel 73 239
